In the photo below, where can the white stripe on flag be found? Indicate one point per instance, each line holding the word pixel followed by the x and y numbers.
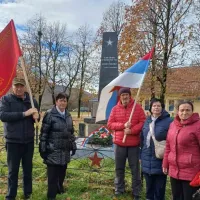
pixel 131 80
pixel 104 98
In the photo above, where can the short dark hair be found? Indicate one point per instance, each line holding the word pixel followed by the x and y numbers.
pixel 156 100
pixel 62 95
pixel 185 102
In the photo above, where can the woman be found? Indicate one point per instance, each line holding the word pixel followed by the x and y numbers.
pixel 182 155
pixel 56 141
pixel 157 125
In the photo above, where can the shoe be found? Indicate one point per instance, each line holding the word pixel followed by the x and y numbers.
pixel 61 190
pixel 27 197
pixel 117 193
pixel 9 199
pixel 136 197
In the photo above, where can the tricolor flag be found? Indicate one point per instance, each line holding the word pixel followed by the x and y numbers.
pixel 133 78
pixel 9 54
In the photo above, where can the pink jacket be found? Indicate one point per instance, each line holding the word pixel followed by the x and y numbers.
pixel 119 116
pixel 182 153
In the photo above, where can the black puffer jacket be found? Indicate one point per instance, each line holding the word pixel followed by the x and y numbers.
pixel 57 138
pixel 17 128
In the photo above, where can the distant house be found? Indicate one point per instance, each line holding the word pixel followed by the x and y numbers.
pixel 182 84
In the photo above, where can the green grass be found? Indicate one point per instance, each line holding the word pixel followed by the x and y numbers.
pixel 82 181
pixel 82 114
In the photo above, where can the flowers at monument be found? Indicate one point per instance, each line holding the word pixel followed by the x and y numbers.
pixel 101 136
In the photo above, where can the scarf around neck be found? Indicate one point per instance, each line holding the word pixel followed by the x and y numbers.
pixel 151 131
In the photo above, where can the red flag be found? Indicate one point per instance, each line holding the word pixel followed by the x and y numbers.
pixel 9 55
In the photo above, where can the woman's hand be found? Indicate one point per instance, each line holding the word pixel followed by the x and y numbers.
pixel 165 171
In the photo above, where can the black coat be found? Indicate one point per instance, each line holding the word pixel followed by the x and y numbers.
pixel 57 138
pixel 17 128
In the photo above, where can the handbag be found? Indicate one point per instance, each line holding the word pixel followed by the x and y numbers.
pixel 159 147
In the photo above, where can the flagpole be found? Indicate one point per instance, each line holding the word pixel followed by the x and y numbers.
pixel 27 84
pixel 136 98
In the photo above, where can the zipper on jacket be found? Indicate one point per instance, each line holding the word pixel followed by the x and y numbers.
pixel 177 133
pixel 23 122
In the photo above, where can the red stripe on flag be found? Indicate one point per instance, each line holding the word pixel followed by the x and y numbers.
pixel 149 55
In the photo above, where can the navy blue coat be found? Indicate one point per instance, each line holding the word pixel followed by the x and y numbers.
pixel 17 128
pixel 151 164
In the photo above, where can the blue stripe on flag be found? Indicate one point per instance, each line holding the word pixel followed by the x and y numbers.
pixel 140 67
pixel 111 103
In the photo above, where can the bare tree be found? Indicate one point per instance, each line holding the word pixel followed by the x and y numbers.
pixel 84 46
pixel 171 35
pixel 113 18
pixel 33 50
pixel 194 34
pixel 48 56
pixel 56 43
pixel 70 68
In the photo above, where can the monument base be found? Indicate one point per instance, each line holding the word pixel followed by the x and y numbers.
pixel 91 126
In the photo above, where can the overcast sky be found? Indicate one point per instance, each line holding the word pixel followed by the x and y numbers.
pixel 72 12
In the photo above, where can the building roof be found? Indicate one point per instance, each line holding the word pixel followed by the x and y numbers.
pixel 181 82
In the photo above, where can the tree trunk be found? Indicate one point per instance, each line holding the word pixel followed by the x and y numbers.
pixel 153 69
pixel 163 84
pixel 40 70
pixel 80 95
pixel 53 98
pixel 166 57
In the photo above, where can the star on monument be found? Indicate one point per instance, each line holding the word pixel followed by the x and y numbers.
pixel 109 42
pixel 95 159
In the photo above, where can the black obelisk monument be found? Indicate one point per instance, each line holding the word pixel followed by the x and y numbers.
pixel 109 60
pixel 108 72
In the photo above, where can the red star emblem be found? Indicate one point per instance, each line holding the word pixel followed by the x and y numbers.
pixel 95 159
